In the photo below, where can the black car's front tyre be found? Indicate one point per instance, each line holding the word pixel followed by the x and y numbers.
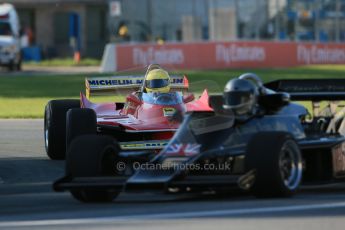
pixel 276 160
pixel 92 156
pixel 55 127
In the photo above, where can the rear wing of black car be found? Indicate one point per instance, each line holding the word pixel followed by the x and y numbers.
pixel 310 89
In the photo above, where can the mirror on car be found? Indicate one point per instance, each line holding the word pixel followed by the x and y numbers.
pixel 216 102
pixel 188 98
pixel 134 99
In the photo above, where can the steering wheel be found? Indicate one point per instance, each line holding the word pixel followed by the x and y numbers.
pixel 255 79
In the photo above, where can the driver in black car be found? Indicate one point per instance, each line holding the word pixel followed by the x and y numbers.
pixel 241 96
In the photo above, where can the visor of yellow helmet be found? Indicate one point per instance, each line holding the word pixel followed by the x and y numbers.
pixel 165 89
pixel 157 83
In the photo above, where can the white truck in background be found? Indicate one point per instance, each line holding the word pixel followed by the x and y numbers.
pixel 10 47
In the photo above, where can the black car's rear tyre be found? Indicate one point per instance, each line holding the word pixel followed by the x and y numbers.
pixel 276 159
pixel 55 127
pixel 80 122
pixel 92 156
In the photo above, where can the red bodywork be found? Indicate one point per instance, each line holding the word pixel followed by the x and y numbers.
pixel 137 116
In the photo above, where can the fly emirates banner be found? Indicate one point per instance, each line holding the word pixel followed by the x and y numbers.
pixel 218 55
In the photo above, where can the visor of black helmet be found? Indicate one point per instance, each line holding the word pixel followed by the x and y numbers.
pixel 156 83
pixel 233 99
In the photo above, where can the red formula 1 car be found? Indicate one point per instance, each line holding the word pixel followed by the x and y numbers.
pixel 142 122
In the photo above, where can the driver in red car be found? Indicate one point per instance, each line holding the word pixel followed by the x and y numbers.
pixel 157 81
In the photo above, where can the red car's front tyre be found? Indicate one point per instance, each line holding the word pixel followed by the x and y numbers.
pixel 92 156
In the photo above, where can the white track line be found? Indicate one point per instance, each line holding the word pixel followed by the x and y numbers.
pixel 195 214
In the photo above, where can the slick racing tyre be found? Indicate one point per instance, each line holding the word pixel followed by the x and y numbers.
pixel 80 122
pixel 55 127
pixel 92 156
pixel 277 162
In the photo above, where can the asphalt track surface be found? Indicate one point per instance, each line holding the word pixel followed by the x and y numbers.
pixel 28 202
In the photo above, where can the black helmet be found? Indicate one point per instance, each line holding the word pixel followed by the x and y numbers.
pixel 240 96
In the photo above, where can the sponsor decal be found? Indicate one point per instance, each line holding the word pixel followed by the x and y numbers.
pixel 115 82
pixel 161 55
pixel 236 53
pixel 168 112
pixel 315 54
pixel 125 82
pixel 148 145
pixel 183 149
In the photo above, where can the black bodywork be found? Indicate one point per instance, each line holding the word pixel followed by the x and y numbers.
pixel 218 138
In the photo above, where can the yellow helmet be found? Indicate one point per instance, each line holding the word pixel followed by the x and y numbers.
pixel 157 81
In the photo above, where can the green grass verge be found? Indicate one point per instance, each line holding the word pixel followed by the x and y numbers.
pixel 66 62
pixel 26 96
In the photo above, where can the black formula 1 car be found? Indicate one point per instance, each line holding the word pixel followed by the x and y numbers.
pixel 269 155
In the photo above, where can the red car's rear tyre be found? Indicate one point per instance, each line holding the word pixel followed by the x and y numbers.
pixel 55 127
